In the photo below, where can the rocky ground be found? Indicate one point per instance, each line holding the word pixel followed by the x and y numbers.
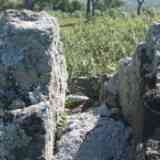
pixel 91 135
pixel 78 125
pixel 153 149
pixel 99 134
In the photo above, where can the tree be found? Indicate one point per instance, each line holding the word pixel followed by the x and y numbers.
pixel 139 7
pixel 28 4
pixel 91 6
pixel 38 4
pixel 88 8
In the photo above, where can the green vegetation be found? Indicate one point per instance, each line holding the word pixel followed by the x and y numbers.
pixel 69 6
pixel 10 4
pixel 103 5
pixel 97 46
pixel 61 120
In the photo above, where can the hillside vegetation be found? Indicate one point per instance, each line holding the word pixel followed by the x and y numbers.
pixel 97 46
pixel 94 46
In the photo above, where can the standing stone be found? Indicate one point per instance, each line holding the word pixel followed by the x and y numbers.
pixel 130 99
pixel 33 83
pixel 137 87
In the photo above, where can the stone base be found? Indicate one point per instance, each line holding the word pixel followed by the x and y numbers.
pixel 27 134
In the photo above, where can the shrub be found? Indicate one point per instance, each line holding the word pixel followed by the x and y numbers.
pixel 67 5
pixel 75 6
pixel 96 47
pixel 4 4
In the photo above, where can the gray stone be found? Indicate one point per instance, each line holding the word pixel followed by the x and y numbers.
pixel 30 57
pixel 18 103
pixel 129 91
pixel 33 83
pixel 27 133
pixel 109 91
pixel 136 88
pixel 73 134
pixel 94 135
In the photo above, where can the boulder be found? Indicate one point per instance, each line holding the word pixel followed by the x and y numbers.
pixel 135 88
pixel 75 101
pixel 129 91
pixel 27 133
pixel 109 91
pixel 95 135
pixel 87 86
pixel 33 83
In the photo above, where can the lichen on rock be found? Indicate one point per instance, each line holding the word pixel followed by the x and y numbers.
pixel 33 83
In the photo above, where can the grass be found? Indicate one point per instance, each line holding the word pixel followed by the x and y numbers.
pixel 96 47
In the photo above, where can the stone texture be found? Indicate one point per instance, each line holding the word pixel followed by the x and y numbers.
pixel 153 149
pixel 95 134
pixel 136 87
pixel 109 91
pixel 87 86
pixel 29 48
pixel 27 133
pixel 33 83
pixel 130 100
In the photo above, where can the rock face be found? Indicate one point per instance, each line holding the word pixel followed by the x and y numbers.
pixel 87 86
pixel 33 83
pixel 110 139
pixel 95 135
pixel 27 134
pixel 130 99
pixel 136 87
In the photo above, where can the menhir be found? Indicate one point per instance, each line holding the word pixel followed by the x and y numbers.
pixel 135 88
pixel 33 83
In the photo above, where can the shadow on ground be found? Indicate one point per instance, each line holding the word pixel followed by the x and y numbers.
pixel 109 140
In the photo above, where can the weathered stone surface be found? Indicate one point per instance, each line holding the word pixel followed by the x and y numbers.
pixel 73 134
pixel 95 135
pixel 27 133
pixel 109 91
pixel 113 142
pixel 33 83
pixel 153 149
pixel 136 88
pixel 30 54
pixel 87 86
pixel 130 99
